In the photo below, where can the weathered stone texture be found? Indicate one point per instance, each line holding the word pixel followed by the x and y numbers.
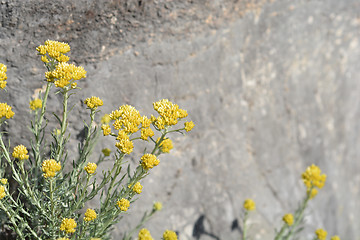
pixel 272 86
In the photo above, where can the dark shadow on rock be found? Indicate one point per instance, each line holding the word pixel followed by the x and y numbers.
pixel 199 229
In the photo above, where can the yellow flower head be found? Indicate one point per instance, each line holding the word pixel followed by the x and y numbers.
pixel 321 234
pixel 90 168
pixel 312 177
pixel 148 161
pixel 90 215
pixel 166 145
pixel 144 234
pixel 3 75
pixel 288 219
pixel 106 129
pixel 123 204
pixel 95 238
pixel 55 49
pixel 189 126
pixel 126 118
pixel 335 237
pixel 65 74
pixel 4 181
pixel 249 205
pixel 63 238
pixel 2 192
pixel 312 193
pixel 20 152
pixel 157 206
pixel 146 132
pixel 124 145
pixel 106 152
pixel 169 113
pixel 50 167
pixel 93 102
pixel 5 111
pixel 169 235
pixel 68 225
pixel 105 119
pixel 35 104
pixel 137 187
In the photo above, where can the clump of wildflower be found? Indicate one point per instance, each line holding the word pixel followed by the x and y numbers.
pixel 65 74
pixel 123 204
pixel 249 205
pixel 3 75
pixel 137 187
pixel 144 234
pixel 50 167
pixel 166 145
pixel 20 152
pixel 157 206
pixel 335 237
pixel 90 215
pixel 106 152
pixel 90 168
pixel 126 118
pixel 189 126
pixel 148 161
pixel 4 181
pixel 105 119
pixel 5 111
pixel 169 113
pixel 93 102
pixel 2 192
pixel 35 104
pixel 106 129
pixel 312 177
pixel 321 234
pixel 55 50
pixel 68 225
pixel 288 219
pixel 124 145
pixel 146 132
pixel 169 235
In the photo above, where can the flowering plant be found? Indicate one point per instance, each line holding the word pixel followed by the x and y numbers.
pixel 50 201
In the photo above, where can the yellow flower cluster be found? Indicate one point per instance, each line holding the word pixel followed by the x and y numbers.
pixel 50 167
pixel 90 215
pixel 312 178
pixel 148 161
pixel 35 104
pixel 166 145
pixel 249 205
pixel 90 168
pixel 169 235
pixel 146 132
pixel 288 219
pixel 2 192
pixel 68 225
pixel 5 111
pixel 106 152
pixel 105 119
pixel 335 237
pixel 126 118
pixel 20 152
pixel 123 204
pixel 169 113
pixel 4 181
pixel 93 102
pixel 124 145
pixel 55 50
pixel 189 126
pixel 157 206
pixel 65 74
pixel 63 238
pixel 144 234
pixel 137 187
pixel 106 129
pixel 321 234
pixel 3 76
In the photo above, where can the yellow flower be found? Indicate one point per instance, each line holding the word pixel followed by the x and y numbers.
pixel 335 237
pixel 90 215
pixel 105 119
pixel 5 111
pixel 169 235
pixel 169 113
pixel 148 161
pixel 95 238
pixel 54 48
pixel 123 204
pixel 50 167
pixel 4 181
pixel 65 74
pixel 106 152
pixel 321 234
pixel 63 238
pixel 189 126
pixel 126 118
pixel 2 192
pixel 157 206
pixel 3 75
pixel 146 132
pixel 144 234
pixel 249 205
pixel 137 187
pixel 125 146
pixel 68 225
pixel 166 145
pixel 62 58
pixel 106 129
pixel 20 152
pixel 93 102
pixel 44 59
pixel 35 104
pixel 288 219
pixel 312 177
pixel 312 193
pixel 90 168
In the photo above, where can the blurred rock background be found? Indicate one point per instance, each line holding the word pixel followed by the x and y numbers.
pixel 272 86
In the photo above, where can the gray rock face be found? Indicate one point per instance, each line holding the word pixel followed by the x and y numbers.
pixel 272 86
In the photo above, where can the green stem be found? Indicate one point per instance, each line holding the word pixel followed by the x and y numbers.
pixel 60 147
pixel 279 235
pixel 52 205
pixel 244 224
pixel 12 220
